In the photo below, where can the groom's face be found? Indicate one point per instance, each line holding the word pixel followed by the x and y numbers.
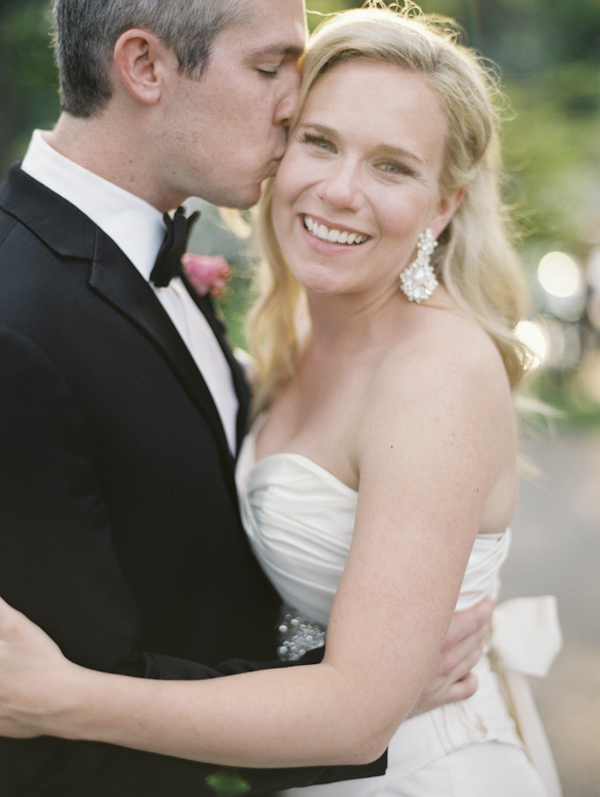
pixel 231 122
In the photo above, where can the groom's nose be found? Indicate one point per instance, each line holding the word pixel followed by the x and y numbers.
pixel 289 101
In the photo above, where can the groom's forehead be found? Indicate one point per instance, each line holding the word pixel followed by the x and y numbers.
pixel 264 19
pixel 270 33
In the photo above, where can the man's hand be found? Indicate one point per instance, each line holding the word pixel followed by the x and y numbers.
pixel 451 678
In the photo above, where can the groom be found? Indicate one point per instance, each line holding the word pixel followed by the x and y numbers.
pixel 121 406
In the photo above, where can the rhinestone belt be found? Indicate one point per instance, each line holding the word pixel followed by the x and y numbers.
pixel 297 635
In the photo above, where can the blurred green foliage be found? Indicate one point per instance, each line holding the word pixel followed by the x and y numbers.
pixel 28 81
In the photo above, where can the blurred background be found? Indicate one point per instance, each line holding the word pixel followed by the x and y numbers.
pixel 548 55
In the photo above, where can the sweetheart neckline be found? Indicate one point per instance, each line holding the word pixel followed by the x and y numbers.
pixel 307 462
pixel 312 465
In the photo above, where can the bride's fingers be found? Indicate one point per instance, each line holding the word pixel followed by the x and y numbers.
pixel 461 659
pixel 473 624
pixel 463 689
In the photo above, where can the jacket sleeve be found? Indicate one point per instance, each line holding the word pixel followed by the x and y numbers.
pixel 58 565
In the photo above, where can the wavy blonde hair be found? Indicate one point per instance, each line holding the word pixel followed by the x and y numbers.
pixel 474 260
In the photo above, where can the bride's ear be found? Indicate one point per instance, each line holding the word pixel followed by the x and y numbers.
pixel 142 63
pixel 447 207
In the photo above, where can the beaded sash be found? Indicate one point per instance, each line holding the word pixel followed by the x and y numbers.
pixel 297 635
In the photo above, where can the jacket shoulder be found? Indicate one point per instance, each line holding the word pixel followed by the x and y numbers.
pixel 40 213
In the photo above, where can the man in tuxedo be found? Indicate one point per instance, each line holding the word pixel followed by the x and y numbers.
pixel 121 405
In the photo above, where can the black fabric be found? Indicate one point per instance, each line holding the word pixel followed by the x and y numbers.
pixel 119 525
pixel 168 260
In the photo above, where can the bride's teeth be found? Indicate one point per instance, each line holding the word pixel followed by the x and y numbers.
pixel 332 236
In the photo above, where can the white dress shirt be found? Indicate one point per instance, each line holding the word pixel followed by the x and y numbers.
pixel 138 230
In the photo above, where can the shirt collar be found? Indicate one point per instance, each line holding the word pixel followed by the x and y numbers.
pixel 133 224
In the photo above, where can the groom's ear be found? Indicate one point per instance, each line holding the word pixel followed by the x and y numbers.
pixel 143 62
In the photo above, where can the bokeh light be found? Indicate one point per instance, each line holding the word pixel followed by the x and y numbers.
pixel 560 275
pixel 535 337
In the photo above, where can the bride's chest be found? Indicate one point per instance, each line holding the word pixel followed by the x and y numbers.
pixel 320 430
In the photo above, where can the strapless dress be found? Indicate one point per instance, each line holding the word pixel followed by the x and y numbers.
pixel 299 519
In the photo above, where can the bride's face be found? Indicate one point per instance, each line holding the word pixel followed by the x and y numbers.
pixel 359 181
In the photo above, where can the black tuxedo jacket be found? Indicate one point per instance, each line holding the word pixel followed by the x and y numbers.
pixel 119 525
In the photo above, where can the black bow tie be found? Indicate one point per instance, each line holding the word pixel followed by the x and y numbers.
pixel 168 260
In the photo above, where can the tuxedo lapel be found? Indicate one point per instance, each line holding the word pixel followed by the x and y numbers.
pixel 206 305
pixel 119 283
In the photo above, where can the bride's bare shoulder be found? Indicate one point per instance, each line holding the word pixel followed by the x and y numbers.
pixel 444 339
pixel 440 363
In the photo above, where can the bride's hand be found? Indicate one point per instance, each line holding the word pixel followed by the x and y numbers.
pixel 31 669
pixel 451 678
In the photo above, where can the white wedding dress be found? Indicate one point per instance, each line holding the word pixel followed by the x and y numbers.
pixel 299 519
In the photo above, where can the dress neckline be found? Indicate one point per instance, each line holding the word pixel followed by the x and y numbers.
pixel 308 464
pixel 259 465
pixel 301 459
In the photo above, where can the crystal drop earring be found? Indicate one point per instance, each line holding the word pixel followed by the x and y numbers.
pixel 418 281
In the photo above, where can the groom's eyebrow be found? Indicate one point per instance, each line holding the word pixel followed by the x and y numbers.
pixel 277 50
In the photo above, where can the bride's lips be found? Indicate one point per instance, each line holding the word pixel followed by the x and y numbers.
pixel 330 234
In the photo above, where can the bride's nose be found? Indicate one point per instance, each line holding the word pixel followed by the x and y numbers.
pixel 340 186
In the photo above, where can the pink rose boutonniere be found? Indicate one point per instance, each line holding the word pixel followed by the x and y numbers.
pixel 207 273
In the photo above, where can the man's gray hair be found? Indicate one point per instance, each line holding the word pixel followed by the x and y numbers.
pixel 86 32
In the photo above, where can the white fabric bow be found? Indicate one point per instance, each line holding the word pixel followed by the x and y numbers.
pixel 526 637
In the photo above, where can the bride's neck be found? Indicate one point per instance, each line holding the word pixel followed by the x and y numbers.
pixel 351 319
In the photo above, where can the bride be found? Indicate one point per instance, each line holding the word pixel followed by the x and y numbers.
pixel 378 486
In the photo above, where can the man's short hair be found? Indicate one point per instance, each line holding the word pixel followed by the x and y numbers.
pixel 86 32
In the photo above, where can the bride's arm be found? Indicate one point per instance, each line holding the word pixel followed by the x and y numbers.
pixel 432 467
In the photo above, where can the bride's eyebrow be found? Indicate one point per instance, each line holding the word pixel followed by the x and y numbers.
pixel 399 152
pixel 322 130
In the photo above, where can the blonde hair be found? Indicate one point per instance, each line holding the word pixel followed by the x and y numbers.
pixel 474 259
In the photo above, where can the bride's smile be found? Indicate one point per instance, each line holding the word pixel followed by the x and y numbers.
pixel 333 235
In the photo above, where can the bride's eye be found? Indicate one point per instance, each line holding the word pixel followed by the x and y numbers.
pixel 393 167
pixel 317 141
